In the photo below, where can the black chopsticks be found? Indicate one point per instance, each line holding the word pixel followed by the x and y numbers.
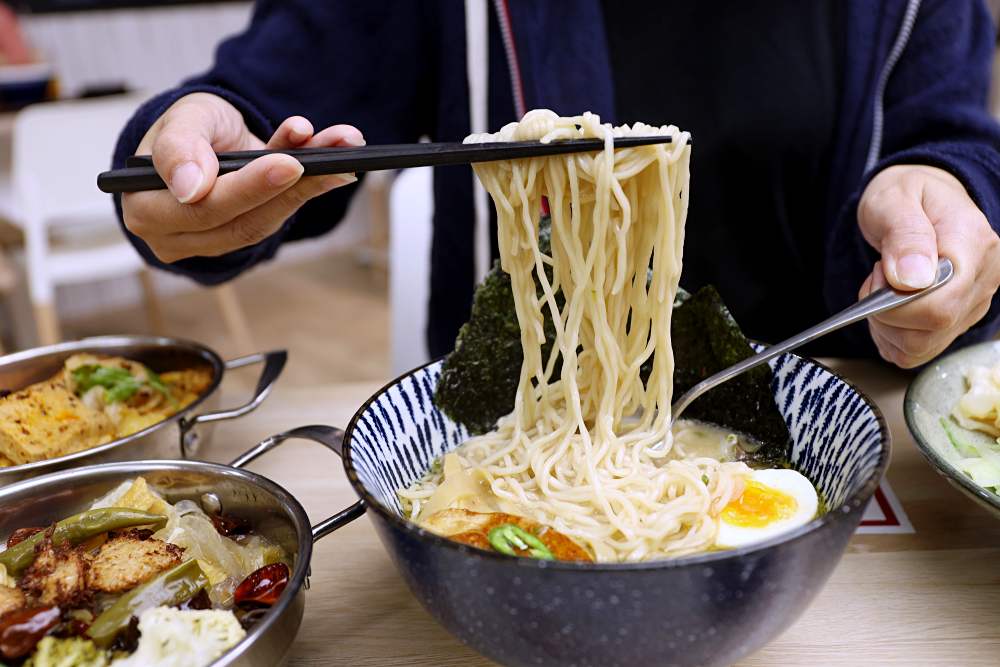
pixel 139 174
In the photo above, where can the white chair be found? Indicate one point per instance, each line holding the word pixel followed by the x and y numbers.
pixel 70 231
pixel 410 208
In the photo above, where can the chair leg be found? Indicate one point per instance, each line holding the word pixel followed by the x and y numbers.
pixel 47 323
pixel 154 313
pixel 378 227
pixel 235 318
pixel 8 274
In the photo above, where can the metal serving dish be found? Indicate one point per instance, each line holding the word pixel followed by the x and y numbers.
pixel 272 511
pixel 180 435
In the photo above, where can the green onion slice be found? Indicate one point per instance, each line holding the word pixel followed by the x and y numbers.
pixel 507 537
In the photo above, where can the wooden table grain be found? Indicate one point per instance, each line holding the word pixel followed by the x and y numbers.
pixel 931 597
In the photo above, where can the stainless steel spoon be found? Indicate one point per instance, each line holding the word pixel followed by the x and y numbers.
pixel 880 301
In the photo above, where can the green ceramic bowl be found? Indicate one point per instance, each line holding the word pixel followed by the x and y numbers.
pixel 931 396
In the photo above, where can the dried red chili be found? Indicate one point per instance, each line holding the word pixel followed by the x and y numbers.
pixel 20 630
pixel 21 534
pixel 262 586
pixel 229 525
pixel 199 601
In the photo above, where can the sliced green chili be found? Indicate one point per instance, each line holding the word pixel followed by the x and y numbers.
pixel 118 383
pixel 76 529
pixel 170 588
pixel 507 537
pixel 705 480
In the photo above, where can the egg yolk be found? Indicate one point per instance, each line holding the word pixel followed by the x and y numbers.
pixel 759 506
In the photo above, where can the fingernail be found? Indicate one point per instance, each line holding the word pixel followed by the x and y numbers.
pixel 915 271
pixel 284 173
pixel 299 127
pixel 347 179
pixel 355 141
pixel 185 181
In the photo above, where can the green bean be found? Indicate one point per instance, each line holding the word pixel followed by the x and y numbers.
pixel 170 588
pixel 76 529
pixel 508 536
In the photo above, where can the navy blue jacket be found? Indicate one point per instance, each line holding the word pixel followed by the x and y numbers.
pixel 397 71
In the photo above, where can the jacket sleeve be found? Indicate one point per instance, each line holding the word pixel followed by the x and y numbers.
pixel 367 64
pixel 935 113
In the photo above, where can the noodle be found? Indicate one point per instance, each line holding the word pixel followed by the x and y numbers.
pixel 589 451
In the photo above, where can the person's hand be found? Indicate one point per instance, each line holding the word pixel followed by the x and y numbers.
pixel 911 214
pixel 206 214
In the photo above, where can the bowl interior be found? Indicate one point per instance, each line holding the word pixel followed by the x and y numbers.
pixel 931 396
pixel 45 500
pixel 21 369
pixel 839 440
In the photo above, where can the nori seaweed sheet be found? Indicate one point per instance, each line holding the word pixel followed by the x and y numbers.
pixel 479 378
pixel 706 339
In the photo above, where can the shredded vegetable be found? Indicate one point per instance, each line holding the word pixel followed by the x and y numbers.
pixel 980 460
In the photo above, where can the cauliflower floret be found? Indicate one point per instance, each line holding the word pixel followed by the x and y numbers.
pixel 183 638
pixel 6 579
pixel 72 652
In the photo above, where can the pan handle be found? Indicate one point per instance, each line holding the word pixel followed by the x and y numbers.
pixel 330 436
pixel 274 363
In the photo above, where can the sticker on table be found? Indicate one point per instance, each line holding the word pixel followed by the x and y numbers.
pixel 884 513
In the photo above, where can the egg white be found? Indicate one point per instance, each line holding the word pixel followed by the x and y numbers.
pixel 787 481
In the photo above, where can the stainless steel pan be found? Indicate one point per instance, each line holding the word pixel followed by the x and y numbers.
pixel 180 435
pixel 271 510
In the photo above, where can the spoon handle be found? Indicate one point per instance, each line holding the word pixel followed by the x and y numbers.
pixel 879 301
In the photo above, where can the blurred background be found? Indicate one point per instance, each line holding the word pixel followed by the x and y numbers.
pixel 71 73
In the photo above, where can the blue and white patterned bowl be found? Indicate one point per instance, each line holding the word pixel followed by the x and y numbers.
pixel 707 609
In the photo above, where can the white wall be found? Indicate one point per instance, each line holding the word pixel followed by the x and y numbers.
pixel 145 49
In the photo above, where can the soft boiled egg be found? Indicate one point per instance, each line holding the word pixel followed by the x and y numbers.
pixel 773 502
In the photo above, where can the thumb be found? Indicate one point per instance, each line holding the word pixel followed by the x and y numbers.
pixel 183 152
pixel 900 230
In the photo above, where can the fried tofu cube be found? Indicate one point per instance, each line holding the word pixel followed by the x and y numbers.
pixel 47 420
pixel 127 560
pixel 58 576
pixel 11 599
pixel 188 384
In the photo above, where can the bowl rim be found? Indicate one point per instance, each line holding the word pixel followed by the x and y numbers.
pixel 95 344
pixel 300 571
pixel 857 500
pixel 941 465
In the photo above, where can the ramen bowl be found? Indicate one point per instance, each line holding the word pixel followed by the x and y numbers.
pixel 706 609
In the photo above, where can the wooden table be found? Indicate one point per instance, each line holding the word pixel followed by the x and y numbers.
pixel 930 597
